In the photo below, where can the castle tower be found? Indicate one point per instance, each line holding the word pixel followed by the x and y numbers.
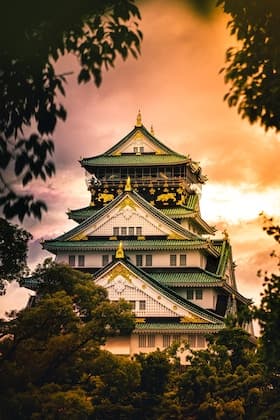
pixel 143 238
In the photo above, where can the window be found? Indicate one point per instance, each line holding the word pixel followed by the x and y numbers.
pixel 131 231
pixel 190 294
pixel 133 304
pixel 142 305
pixel 200 341
pixel 150 340
pixel 176 338
pixel 149 260
pixel 194 294
pixel 81 260
pixel 116 231
pixel 139 260
pixel 142 340
pixel 138 230
pixel 105 259
pixel 192 340
pixel 146 340
pixel 198 294
pixel 72 260
pixel 183 259
pixel 166 340
pixel 173 260
pixel 123 230
pixel 138 150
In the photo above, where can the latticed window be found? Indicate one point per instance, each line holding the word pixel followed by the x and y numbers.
pixel 176 338
pixel 105 259
pixel 142 305
pixel 123 230
pixel 116 231
pixel 139 260
pixel 183 259
pixel 72 260
pixel 166 340
pixel 192 340
pixel 198 293
pixel 146 340
pixel 149 260
pixel 133 304
pixel 131 230
pixel 150 340
pixel 142 340
pixel 173 260
pixel 138 230
pixel 201 341
pixel 190 294
pixel 81 260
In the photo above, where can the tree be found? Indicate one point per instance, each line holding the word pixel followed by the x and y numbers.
pixel 32 39
pixel 268 313
pixel 225 381
pixel 253 65
pixel 13 252
pixel 51 363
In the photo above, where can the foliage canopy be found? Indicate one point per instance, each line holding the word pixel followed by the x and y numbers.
pixel 13 252
pixel 253 65
pixel 32 38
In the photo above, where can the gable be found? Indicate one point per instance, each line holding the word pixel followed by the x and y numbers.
pixel 150 299
pixel 139 143
pixel 129 215
pixel 128 211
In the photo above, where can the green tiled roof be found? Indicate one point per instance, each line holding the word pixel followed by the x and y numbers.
pixel 134 160
pixel 169 327
pixel 225 252
pixel 133 245
pixel 82 214
pixel 177 212
pixel 192 202
pixel 142 129
pixel 195 278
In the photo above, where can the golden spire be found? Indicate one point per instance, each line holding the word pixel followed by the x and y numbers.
pixel 139 120
pixel 128 184
pixel 119 251
pixel 152 130
pixel 226 235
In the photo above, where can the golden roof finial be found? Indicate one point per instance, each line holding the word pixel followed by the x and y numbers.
pixel 139 119
pixel 152 130
pixel 119 251
pixel 226 235
pixel 128 184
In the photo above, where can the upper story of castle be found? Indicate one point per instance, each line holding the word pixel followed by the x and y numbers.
pixel 162 176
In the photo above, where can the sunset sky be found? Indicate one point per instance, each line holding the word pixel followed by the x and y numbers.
pixel 177 86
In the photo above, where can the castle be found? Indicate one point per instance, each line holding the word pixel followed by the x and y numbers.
pixel 143 239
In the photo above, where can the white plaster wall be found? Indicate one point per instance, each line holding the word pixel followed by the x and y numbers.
pixel 209 297
pixel 160 259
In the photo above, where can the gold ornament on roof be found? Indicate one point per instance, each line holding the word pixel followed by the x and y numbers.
pixel 120 251
pixel 127 202
pixel 152 130
pixel 119 270
pixel 139 119
pixel 226 235
pixel 128 184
